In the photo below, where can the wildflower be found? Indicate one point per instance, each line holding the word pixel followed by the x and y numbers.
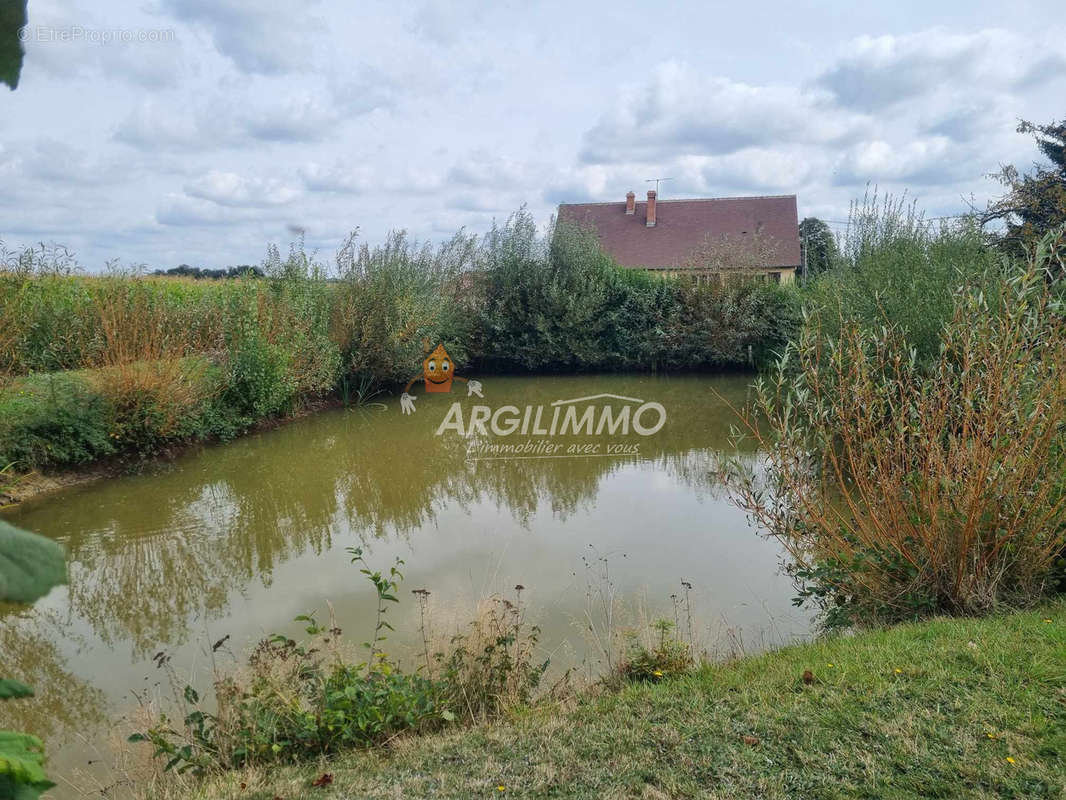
pixel 1047 621
pixel 501 788
pixel 1010 760
pixel 657 673
pixel 898 671
pixel 829 665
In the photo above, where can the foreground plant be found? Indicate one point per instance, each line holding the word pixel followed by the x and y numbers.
pixel 30 566
pixel 901 491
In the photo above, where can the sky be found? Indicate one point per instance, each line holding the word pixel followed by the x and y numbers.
pixel 160 132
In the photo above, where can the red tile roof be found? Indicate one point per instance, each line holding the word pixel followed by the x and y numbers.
pixel 682 225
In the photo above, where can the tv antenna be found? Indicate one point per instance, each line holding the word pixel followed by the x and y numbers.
pixel 657 181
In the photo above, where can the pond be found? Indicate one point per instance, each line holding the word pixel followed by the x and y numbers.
pixel 238 539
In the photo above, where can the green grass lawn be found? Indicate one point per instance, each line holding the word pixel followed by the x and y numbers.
pixel 949 708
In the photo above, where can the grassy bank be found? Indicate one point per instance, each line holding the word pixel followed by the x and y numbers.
pixel 946 708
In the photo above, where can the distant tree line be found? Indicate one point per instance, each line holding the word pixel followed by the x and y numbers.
pixel 239 271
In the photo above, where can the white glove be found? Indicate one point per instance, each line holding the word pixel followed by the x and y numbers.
pixel 474 388
pixel 407 403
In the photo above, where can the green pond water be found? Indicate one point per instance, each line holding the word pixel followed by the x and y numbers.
pixel 237 539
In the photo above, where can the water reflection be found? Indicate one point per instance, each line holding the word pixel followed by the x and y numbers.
pixel 29 653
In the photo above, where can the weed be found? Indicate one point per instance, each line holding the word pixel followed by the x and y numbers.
pixel 667 658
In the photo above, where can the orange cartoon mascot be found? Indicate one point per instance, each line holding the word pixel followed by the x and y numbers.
pixel 438 372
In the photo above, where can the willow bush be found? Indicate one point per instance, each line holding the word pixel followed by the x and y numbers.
pixel 902 488
pixel 559 303
pixel 898 269
pixel 392 298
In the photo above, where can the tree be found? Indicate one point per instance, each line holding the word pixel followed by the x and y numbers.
pixel 1035 203
pixel 818 247
pixel 12 21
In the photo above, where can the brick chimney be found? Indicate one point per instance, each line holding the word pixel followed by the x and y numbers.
pixel 631 203
pixel 651 208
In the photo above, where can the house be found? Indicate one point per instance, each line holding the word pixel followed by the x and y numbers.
pixel 710 238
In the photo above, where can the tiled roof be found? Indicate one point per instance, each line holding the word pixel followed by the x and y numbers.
pixel 682 225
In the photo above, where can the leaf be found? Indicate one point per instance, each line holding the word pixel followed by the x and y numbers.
pixel 21 773
pixel 325 779
pixel 11 690
pixel 30 565
pixel 191 696
pixel 447 716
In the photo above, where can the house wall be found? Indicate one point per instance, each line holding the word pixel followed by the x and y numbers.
pixel 786 275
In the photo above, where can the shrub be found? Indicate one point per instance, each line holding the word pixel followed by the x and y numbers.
pixel 549 304
pixel 297 702
pixel 901 490
pixel 392 298
pixel 563 304
pixel 258 383
pixel 55 419
pixel 899 270
pixel 728 326
pixel 296 319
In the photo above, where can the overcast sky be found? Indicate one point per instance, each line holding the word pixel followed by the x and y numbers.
pixel 222 125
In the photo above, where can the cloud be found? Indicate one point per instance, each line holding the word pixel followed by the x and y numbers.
pixel 481 169
pixel 54 161
pixel 154 126
pixel 930 161
pixel 260 38
pixel 875 72
pixel 340 178
pixel 181 210
pixel 236 191
pixel 680 112
pixel 299 118
pixel 963 123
